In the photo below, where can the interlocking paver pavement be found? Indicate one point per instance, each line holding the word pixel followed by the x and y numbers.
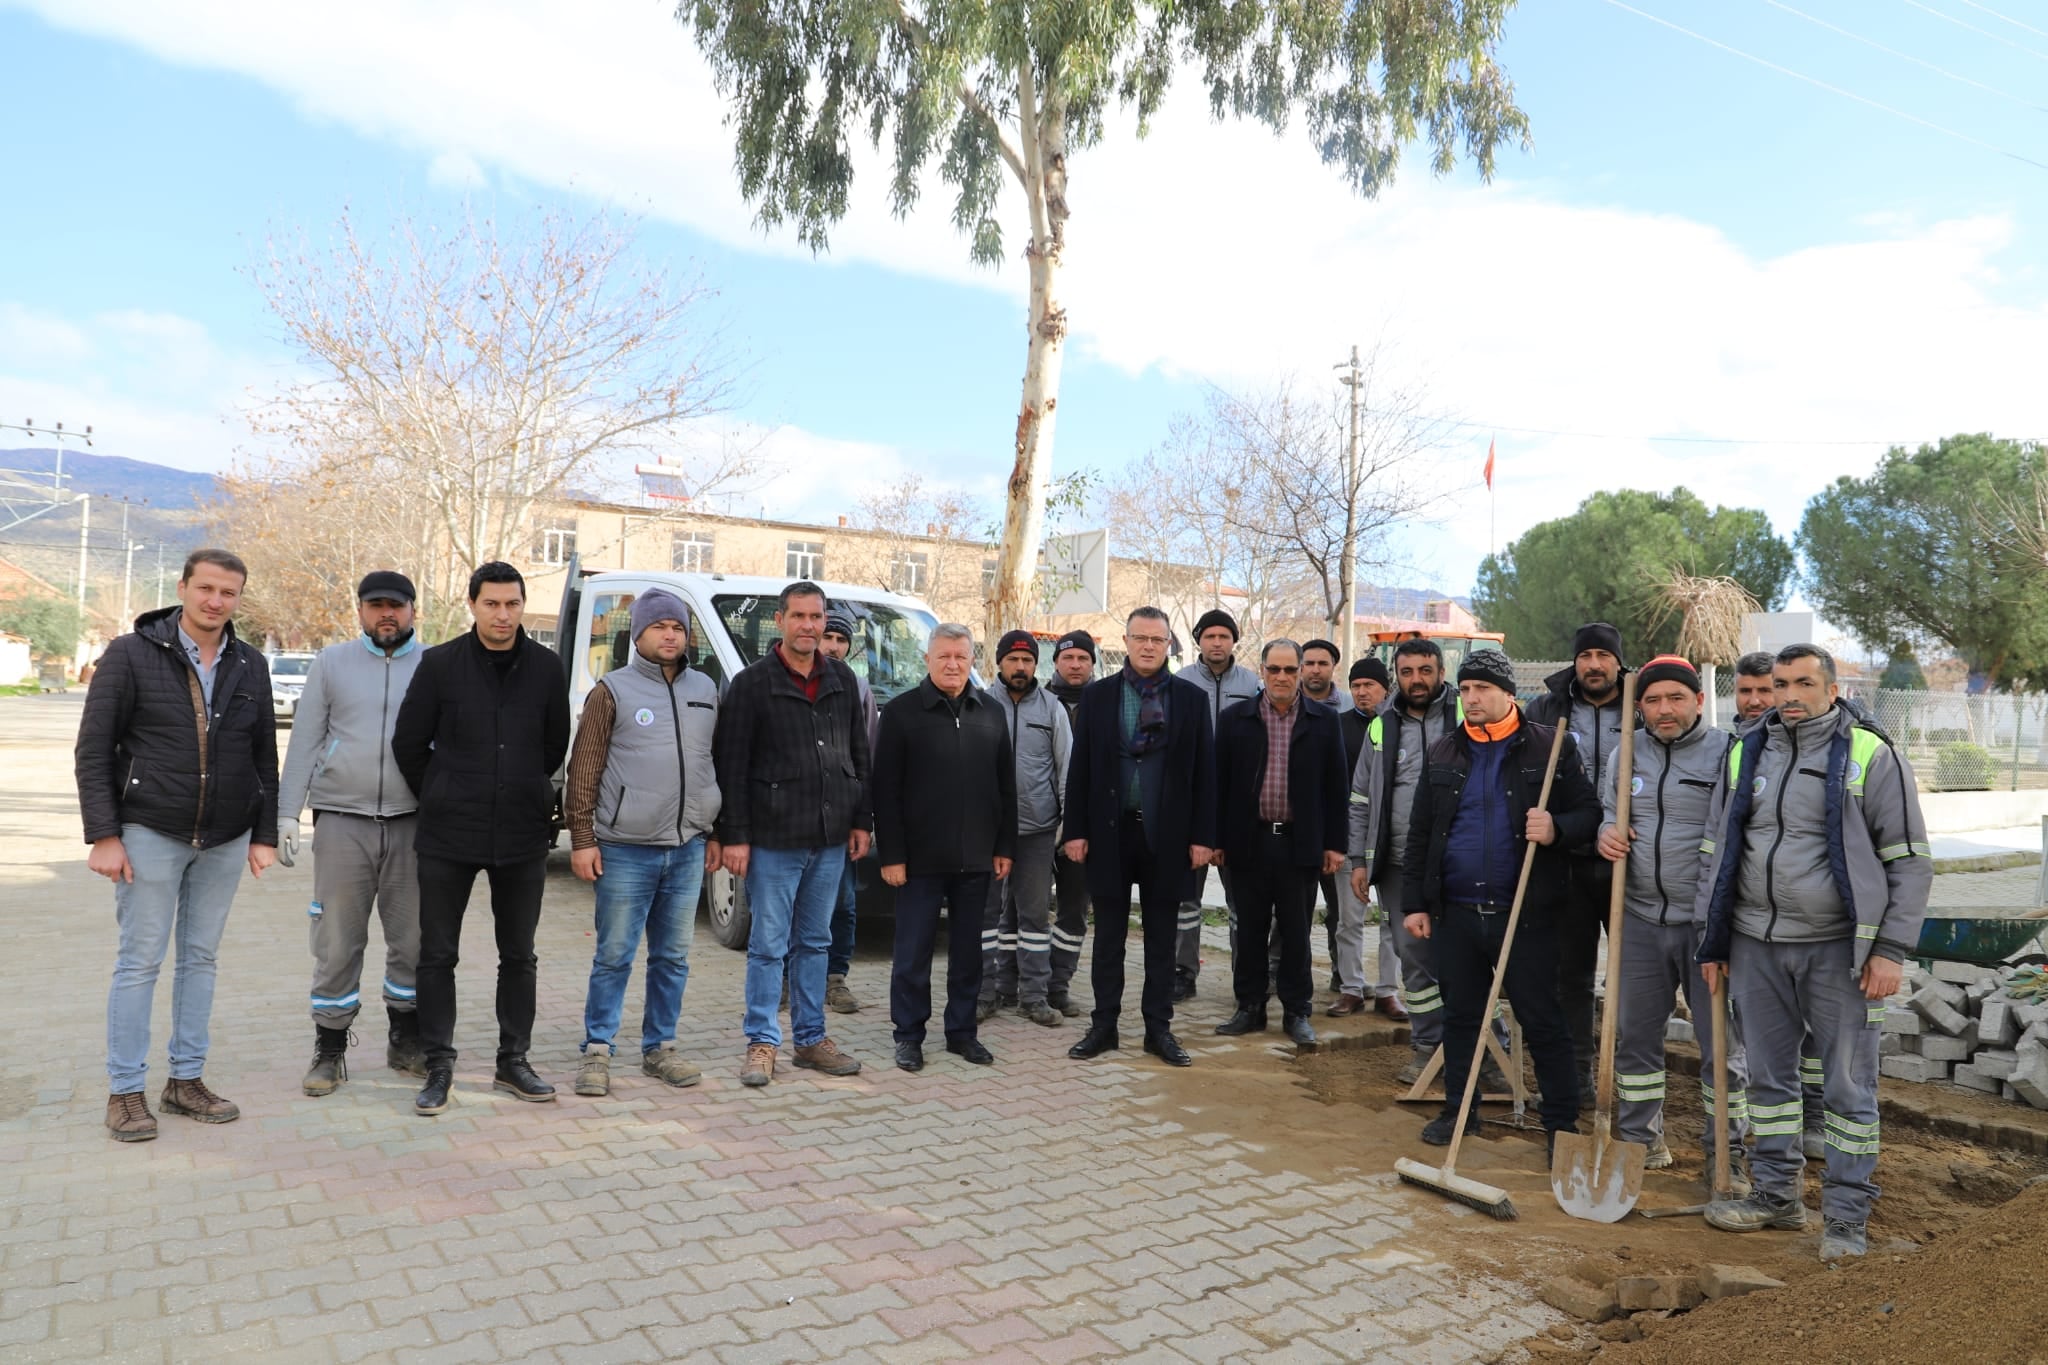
pixel 1040 1211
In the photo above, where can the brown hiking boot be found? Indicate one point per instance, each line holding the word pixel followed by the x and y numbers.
pixel 839 998
pixel 665 1064
pixel 759 1067
pixel 193 1100
pixel 594 1072
pixel 129 1119
pixel 824 1055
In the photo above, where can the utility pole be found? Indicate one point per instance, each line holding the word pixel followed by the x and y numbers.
pixel 1347 599
pixel 159 574
pixel 84 531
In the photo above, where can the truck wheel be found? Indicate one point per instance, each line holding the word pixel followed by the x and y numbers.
pixel 725 904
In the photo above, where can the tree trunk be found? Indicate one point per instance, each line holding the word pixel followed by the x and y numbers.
pixel 1042 135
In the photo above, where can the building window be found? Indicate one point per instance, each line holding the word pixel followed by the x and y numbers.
pixel 557 544
pixel 910 573
pixel 804 559
pixel 690 552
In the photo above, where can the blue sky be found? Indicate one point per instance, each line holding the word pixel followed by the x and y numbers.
pixel 1696 245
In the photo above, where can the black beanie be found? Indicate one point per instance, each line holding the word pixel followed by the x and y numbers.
pixel 1216 616
pixel 1336 654
pixel 1374 669
pixel 1667 668
pixel 1075 639
pixel 1015 640
pixel 1598 635
pixel 1490 666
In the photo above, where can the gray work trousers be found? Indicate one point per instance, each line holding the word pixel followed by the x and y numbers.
pixel 1070 921
pixel 1418 974
pixel 1187 947
pixel 1656 962
pixel 1350 955
pixel 358 861
pixel 1780 990
pixel 1016 925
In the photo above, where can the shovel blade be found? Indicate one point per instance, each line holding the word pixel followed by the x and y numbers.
pixel 1597 1178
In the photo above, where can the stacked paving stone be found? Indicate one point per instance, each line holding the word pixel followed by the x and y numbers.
pixel 1958 1022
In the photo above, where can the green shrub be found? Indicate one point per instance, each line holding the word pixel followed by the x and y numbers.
pixel 1963 767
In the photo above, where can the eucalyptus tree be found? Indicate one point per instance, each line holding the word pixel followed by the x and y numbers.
pixel 989 89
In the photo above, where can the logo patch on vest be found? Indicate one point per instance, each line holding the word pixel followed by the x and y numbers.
pixel 1635 786
pixel 1855 770
pixel 643 717
pixel 1757 785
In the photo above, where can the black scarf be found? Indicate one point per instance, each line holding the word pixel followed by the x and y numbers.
pixel 1151 732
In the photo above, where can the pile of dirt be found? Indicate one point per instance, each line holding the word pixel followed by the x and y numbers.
pixel 1974 1294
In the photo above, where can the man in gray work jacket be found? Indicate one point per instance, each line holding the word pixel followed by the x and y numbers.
pixel 1679 760
pixel 1016 926
pixel 1224 682
pixel 340 761
pixel 1816 885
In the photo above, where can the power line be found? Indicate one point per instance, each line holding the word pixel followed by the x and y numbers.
pixel 1983 32
pixel 2006 17
pixel 1831 89
pixel 1905 56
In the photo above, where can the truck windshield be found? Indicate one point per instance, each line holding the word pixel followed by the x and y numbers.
pixel 888 641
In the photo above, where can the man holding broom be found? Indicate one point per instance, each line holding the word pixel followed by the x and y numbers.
pixel 1476 811
pixel 1677 762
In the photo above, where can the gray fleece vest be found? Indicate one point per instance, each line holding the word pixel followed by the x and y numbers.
pixel 1671 804
pixel 659 786
pixel 1786 891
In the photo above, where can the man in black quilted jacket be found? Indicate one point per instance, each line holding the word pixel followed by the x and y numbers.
pixel 177 781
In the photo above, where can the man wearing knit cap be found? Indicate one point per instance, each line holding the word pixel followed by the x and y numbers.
pixel 1585 699
pixel 1224 682
pixel 1679 758
pixel 640 800
pixel 1369 683
pixel 837 643
pixel 340 763
pixel 1073 662
pixel 1475 814
pixel 1016 936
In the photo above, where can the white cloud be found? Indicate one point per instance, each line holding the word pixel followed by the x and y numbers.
pixel 1222 253
pixel 456 171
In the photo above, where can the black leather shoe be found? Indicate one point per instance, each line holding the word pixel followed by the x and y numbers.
pixel 1099 1038
pixel 1437 1132
pixel 910 1056
pixel 1244 1021
pixel 515 1076
pixel 433 1096
pixel 1167 1049
pixel 1183 988
pixel 1296 1026
pixel 971 1049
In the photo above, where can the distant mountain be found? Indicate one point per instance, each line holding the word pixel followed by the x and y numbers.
pixel 164 488
pixel 1403 602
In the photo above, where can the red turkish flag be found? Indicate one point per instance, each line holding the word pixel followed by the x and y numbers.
pixel 1489 466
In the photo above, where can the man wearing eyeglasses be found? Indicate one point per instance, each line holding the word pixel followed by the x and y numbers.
pixel 1140 810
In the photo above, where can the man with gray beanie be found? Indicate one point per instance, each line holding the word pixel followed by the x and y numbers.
pixel 640 800
pixel 1586 700
pixel 340 762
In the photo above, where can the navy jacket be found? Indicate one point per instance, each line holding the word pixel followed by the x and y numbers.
pixel 1317 784
pixel 1186 812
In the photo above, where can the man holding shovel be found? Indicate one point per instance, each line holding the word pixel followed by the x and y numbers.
pixel 1816 884
pixel 1476 811
pixel 1677 762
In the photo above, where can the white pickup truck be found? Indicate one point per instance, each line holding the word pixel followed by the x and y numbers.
pixel 732 625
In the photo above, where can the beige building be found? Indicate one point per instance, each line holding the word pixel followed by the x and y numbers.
pixel 951 574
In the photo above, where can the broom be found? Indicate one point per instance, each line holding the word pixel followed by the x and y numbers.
pixel 1445 1180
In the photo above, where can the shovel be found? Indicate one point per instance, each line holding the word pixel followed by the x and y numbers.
pixel 1595 1176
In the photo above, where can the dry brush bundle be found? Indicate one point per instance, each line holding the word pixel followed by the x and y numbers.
pixel 1709 609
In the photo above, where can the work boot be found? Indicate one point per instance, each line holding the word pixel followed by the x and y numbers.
pixel 330 1061
pixel 1063 1001
pixel 1659 1155
pixel 1040 1012
pixel 594 1072
pixel 1183 987
pixel 1491 1080
pixel 1418 1061
pixel 1842 1238
pixel 759 1067
pixel 193 1100
pixel 1760 1210
pixel 667 1065
pixel 405 1053
pixel 1738 1171
pixel 1297 1027
pixel 521 1081
pixel 433 1096
pixel 824 1055
pixel 838 998
pixel 1437 1132
pixel 128 1117
pixel 984 1009
pixel 1814 1144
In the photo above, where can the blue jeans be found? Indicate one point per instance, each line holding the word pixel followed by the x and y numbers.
pixel 178 891
pixel 791 892
pixel 649 888
pixel 839 957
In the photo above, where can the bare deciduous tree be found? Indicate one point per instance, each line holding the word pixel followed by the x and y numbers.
pixel 481 371
pixel 924 542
